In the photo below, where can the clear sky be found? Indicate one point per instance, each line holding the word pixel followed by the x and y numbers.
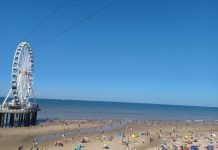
pixel 149 51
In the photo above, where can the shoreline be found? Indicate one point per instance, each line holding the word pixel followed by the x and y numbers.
pixel 192 121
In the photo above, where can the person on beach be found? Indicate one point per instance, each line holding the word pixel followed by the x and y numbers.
pixel 20 147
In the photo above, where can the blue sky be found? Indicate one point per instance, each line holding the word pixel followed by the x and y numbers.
pixel 149 51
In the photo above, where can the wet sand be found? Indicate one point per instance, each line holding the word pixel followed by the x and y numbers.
pixel 12 138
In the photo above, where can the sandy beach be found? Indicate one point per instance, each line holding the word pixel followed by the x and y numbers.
pixel 12 138
pixel 108 75
pixel 115 135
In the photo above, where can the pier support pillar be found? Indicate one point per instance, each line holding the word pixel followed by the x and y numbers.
pixel 33 118
pixel 0 119
pixel 11 123
pixel 15 120
pixel 27 119
pixel 3 120
pixel 18 117
pixel 6 120
pixel 21 120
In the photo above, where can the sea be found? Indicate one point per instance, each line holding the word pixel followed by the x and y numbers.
pixel 98 110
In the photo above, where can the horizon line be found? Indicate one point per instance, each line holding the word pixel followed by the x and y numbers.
pixel 89 100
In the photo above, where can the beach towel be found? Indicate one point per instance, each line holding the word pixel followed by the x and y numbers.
pixel 194 148
pixel 210 147
pixel 78 148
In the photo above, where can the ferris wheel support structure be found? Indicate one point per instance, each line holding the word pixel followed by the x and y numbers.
pixel 21 78
pixel 21 110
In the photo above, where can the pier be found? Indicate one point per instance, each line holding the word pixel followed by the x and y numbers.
pixel 18 117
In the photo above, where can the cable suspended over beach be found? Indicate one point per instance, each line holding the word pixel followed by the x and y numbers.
pixel 68 28
pixel 42 22
pixel 78 23
pixel 46 19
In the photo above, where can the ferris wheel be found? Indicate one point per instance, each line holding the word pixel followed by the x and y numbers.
pixel 22 76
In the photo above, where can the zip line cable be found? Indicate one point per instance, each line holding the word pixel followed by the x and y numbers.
pixel 77 23
pixel 47 18
pixel 43 22
pixel 68 28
